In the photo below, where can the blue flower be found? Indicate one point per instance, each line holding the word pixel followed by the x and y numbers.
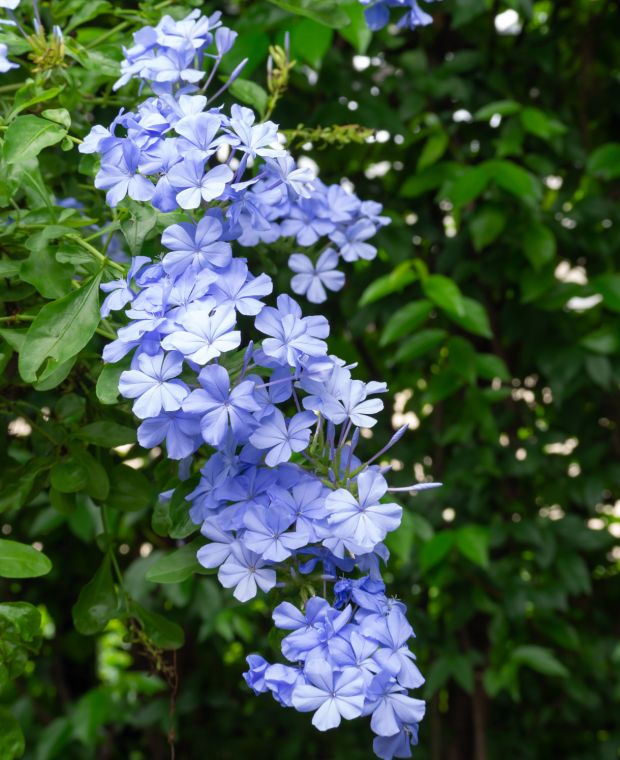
pixel 391 633
pixel 194 30
pixel 198 246
pixel 282 439
pixel 219 548
pixel 312 279
pixel 180 431
pixel 378 13
pixel 398 745
pixel 291 334
pixel 362 522
pixel 390 706
pixel 245 571
pixel 5 64
pixel 172 65
pixel 268 533
pixel 255 676
pixel 198 133
pixel 206 333
pixel 193 185
pixel 253 139
pixel 120 292
pixel 352 241
pixel 331 694
pixel 120 178
pixel 220 408
pixel 151 383
pixel 239 290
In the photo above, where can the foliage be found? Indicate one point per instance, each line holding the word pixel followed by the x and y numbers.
pixel 492 311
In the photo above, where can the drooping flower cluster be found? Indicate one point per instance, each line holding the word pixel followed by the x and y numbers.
pixel 378 13
pixel 283 498
pixel 350 659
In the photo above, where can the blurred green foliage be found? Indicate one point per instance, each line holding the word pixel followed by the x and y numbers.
pixel 493 311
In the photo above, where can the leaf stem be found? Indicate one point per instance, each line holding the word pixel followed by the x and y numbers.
pixel 91 249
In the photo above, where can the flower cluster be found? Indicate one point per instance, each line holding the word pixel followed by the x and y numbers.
pixel 282 499
pixel 378 13
pixel 350 660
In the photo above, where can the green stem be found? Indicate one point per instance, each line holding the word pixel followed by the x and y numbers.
pixel 105 333
pixel 18 318
pixel 110 551
pixel 91 249
pixel 110 228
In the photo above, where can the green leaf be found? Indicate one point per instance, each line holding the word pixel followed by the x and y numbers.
pixel 88 11
pixel 176 566
pixel 402 276
pixel 9 268
pixel 605 340
pixel 433 149
pixel 49 277
pixel 97 603
pixel 54 374
pixel 22 561
pixel 430 178
pixel 30 95
pixel 514 179
pixel 604 162
pixel 486 226
pixel 12 743
pixel 490 366
pixel 138 227
pixel 28 135
pixel 500 107
pixel 324 11
pixel 98 483
pixel 130 490
pixel 251 93
pixel 600 370
pixel 539 123
pixel 25 618
pixel 445 293
pixel 540 659
pixel 466 188
pixel 69 475
pixel 472 542
pixel 61 329
pixel 539 244
pixel 419 344
pixel 107 434
pixel 474 319
pixel 58 116
pixel 405 320
pixel 70 408
pixel 107 384
pixel 181 524
pixel 310 41
pixel 162 632
pixel 357 33
pixel 436 549
pixel 608 285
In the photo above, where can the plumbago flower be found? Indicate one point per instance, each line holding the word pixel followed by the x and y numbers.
pixel 272 418
pixel 378 13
